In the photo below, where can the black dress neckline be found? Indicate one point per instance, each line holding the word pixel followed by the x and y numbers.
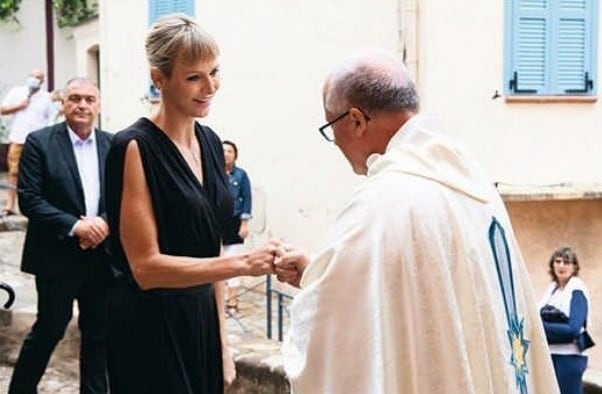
pixel 199 135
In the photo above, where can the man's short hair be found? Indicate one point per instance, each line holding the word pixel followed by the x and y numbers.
pixel 373 87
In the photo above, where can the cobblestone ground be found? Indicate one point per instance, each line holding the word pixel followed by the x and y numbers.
pixel 53 382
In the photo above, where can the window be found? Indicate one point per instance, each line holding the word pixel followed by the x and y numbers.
pixel 158 8
pixel 551 47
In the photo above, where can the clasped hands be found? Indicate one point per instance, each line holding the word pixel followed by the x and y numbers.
pixel 91 231
pixel 281 259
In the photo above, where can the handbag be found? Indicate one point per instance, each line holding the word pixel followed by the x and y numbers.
pixel 551 314
pixel 584 340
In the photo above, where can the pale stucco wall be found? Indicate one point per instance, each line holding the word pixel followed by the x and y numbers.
pixel 86 38
pixel 123 67
pixel 461 44
pixel 543 226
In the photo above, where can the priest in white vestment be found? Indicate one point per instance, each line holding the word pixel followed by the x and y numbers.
pixel 422 289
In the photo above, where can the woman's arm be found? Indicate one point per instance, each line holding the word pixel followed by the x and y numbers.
pixel 12 108
pixel 245 215
pixel 567 332
pixel 139 236
pixel 247 198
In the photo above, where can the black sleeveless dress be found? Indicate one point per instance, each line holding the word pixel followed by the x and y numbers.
pixel 167 340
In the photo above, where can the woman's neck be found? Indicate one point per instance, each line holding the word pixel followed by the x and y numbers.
pixel 229 167
pixel 562 284
pixel 179 128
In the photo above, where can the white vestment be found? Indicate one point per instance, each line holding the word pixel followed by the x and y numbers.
pixel 406 298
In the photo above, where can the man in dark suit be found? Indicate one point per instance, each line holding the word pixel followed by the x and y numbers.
pixel 60 191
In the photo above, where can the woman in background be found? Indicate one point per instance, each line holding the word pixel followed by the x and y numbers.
pixel 564 310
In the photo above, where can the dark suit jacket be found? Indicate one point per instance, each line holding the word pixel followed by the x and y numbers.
pixel 52 197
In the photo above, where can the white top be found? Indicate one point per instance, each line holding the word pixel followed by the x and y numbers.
pixel 38 114
pixel 86 156
pixel 561 299
pixel 406 297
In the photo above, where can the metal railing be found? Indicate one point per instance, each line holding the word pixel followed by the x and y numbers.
pixel 282 298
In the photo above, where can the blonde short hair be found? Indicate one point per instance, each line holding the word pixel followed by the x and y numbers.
pixel 176 35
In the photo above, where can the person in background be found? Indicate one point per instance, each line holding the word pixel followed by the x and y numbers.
pixel 57 101
pixel 60 192
pixel 168 206
pixel 405 297
pixel 240 188
pixel 566 294
pixel 31 109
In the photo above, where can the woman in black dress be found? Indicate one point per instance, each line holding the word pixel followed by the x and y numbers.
pixel 168 204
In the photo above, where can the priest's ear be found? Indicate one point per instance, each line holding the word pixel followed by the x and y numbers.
pixel 359 118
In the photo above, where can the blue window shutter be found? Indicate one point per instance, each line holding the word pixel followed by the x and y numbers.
pixel 185 6
pixel 158 8
pixel 551 47
pixel 572 71
pixel 530 47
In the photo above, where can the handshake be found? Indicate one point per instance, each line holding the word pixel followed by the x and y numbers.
pixel 278 258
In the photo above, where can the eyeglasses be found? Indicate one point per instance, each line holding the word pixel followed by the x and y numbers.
pixel 327 131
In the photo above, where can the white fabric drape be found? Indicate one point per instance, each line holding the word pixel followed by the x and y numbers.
pixel 406 299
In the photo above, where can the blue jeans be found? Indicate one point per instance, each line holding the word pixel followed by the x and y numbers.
pixel 569 370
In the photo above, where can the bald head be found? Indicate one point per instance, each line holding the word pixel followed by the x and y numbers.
pixel 37 73
pixel 372 80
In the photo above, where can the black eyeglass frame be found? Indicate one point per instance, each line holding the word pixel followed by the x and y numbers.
pixel 322 128
pixel 341 116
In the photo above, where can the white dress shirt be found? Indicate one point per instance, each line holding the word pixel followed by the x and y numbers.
pixel 86 156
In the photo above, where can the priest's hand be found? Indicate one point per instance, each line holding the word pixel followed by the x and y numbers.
pixel 290 264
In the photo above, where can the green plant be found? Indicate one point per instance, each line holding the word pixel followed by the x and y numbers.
pixel 9 9
pixel 68 12
pixel 74 12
